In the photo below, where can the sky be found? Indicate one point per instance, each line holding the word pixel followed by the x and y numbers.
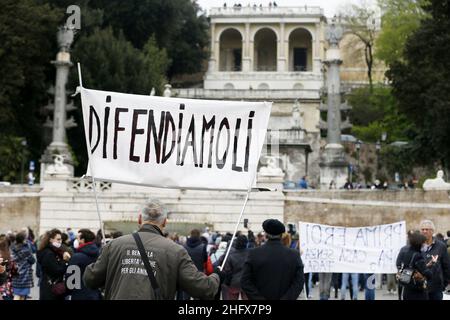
pixel 330 6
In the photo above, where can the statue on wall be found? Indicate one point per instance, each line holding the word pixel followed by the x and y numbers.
pixel 334 33
pixel 272 168
pixel 297 116
pixel 58 166
pixel 436 184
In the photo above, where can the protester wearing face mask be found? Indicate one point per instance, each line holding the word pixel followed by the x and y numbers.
pixel 53 261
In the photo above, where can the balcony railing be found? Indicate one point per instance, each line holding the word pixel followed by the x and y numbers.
pixel 256 10
pixel 286 136
pixel 238 94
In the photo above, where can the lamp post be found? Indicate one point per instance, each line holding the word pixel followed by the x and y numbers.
pixel 358 148
pixel 24 144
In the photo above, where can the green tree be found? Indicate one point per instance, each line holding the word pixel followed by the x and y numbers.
pixel 400 19
pixel 111 63
pixel 177 25
pixel 376 112
pixel 421 83
pixel 28 44
pixel 361 21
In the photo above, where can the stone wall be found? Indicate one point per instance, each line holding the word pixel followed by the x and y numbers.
pixel 69 206
pixel 19 207
pixel 368 207
pixel 66 206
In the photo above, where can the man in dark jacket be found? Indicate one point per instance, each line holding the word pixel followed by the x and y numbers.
pixel 234 268
pixel 120 270
pixel 435 249
pixel 273 271
pixel 86 253
pixel 197 251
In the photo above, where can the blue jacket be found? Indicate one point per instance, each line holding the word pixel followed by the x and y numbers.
pixel 22 256
pixel 83 257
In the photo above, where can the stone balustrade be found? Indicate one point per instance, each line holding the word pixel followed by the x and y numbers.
pixel 264 11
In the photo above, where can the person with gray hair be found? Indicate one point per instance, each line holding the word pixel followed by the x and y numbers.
pixel 435 250
pixel 120 270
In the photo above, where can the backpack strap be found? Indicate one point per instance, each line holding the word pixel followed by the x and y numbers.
pixel 147 265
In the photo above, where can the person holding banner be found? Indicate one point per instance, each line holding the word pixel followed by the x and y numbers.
pixel 273 271
pixel 119 267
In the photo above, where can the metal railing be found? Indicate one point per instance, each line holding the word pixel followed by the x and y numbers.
pixel 237 94
pixel 256 10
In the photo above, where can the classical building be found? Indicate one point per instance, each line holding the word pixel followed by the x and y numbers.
pixel 275 54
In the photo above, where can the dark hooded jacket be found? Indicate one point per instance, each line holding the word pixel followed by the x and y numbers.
pixel 197 251
pixel 84 256
pixel 53 268
pixel 234 265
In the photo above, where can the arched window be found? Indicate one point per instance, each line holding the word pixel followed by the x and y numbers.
pixel 228 86
pixel 298 86
pixel 263 86
pixel 300 50
pixel 265 55
pixel 230 58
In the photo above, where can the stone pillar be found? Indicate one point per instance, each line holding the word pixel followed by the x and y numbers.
pixel 317 64
pixel 252 55
pixel 281 67
pixel 333 165
pixel 62 63
pixel 246 59
pixel 213 62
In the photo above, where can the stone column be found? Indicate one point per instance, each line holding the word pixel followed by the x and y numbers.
pixel 246 60
pixel 59 145
pixel 281 67
pixel 212 59
pixel 333 165
pixel 252 55
pixel 316 54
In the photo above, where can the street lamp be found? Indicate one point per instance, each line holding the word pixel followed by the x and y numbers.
pixel 378 148
pixel 358 147
pixel 24 144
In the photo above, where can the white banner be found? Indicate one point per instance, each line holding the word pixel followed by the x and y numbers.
pixel 173 143
pixel 354 250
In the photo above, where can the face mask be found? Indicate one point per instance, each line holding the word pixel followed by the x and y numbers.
pixel 76 244
pixel 57 244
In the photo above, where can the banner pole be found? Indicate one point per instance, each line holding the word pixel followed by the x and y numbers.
pixel 94 188
pixel 235 230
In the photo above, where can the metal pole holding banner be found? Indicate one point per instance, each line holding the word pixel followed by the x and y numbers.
pixel 235 230
pixel 94 188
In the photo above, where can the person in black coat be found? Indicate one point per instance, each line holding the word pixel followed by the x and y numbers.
pixel 435 249
pixel 234 268
pixel 86 252
pixel 273 271
pixel 53 261
pixel 197 251
pixel 410 256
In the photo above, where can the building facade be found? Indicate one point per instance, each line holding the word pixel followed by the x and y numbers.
pixel 273 54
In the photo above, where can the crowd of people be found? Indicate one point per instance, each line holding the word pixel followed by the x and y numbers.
pixel 263 266
pixel 239 5
pixel 350 185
